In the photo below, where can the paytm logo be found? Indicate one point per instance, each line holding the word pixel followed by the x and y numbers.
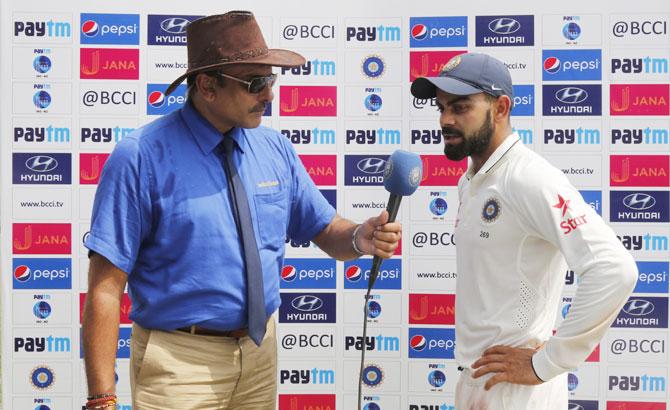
pixel 167 30
pixel 318 68
pixel 48 133
pixel 378 136
pixel 639 206
pixel 524 100
pixel 582 99
pixel 313 136
pixel 504 31
pixel 646 242
pixel 579 136
pixel 308 274
pixel 99 28
pixel 571 65
pixel 48 344
pixel 43 29
pixel 431 343
pixel 652 277
pixel 380 34
pixel 42 273
pixel 357 274
pixel 307 376
pixel 640 65
pixel 643 312
pixel 594 199
pixel 160 104
pixel 104 134
pixel 379 343
pixel 438 31
pixel 647 136
pixel 644 383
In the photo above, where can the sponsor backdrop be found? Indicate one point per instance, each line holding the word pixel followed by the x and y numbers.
pixel 592 90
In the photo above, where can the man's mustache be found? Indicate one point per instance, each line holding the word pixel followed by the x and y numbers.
pixel 451 131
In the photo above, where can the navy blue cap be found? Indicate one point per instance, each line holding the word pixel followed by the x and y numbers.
pixel 467 74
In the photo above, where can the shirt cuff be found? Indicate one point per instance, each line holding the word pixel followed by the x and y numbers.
pixel 544 368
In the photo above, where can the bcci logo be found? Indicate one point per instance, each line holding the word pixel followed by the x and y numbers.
pixel 491 210
pixel 373 375
pixel 373 67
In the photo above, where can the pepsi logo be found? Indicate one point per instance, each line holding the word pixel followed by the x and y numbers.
pixel 419 32
pixel 90 28
pixel 22 273
pixel 289 273
pixel 353 273
pixel 552 65
pixel 156 99
pixel 418 343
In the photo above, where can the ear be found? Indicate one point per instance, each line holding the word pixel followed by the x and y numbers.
pixel 502 108
pixel 206 86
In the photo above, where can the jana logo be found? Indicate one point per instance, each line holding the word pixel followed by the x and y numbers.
pixel 639 201
pixel 419 32
pixel 504 25
pixel 371 165
pixel 42 99
pixel 307 303
pixel 638 307
pixel 90 28
pixel 41 163
pixel 552 65
pixel 418 343
pixel 42 64
pixel 175 25
pixel 571 95
pixel 156 99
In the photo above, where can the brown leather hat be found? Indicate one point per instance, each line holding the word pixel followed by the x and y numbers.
pixel 231 38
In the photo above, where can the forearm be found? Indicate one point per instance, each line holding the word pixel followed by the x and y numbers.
pixel 100 335
pixel 603 290
pixel 336 239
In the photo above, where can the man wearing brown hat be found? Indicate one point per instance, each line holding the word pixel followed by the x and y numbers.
pixel 192 211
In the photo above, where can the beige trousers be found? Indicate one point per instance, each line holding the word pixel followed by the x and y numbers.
pixel 177 370
pixel 470 394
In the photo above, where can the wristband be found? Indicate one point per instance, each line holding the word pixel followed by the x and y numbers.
pixel 353 241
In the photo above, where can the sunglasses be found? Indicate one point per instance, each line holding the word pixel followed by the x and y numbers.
pixel 255 85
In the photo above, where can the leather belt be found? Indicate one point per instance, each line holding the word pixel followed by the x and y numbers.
pixel 197 330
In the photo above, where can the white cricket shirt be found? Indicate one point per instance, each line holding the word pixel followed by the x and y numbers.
pixel 518 223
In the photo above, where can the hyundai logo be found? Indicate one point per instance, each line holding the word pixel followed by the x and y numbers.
pixel 638 307
pixel 175 25
pixel 371 165
pixel 504 25
pixel 571 95
pixel 639 201
pixel 575 406
pixel 307 303
pixel 41 163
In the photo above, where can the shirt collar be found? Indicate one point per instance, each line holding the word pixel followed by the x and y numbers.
pixel 497 155
pixel 204 132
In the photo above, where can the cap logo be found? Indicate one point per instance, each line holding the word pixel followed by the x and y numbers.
pixel 453 63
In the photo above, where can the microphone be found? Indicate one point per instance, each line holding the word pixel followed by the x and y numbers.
pixel 402 177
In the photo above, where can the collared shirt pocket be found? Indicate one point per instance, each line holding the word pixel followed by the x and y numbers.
pixel 271 212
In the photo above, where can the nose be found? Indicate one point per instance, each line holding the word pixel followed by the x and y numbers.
pixel 267 95
pixel 446 118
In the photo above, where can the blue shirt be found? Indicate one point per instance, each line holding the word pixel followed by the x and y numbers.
pixel 162 214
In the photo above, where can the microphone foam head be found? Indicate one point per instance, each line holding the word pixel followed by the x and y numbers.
pixel 403 173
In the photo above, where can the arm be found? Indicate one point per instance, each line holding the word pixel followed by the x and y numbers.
pixel 100 324
pixel 374 237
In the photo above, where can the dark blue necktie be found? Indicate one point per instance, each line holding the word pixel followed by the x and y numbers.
pixel 252 261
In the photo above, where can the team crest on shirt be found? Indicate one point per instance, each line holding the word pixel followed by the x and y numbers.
pixel 491 210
